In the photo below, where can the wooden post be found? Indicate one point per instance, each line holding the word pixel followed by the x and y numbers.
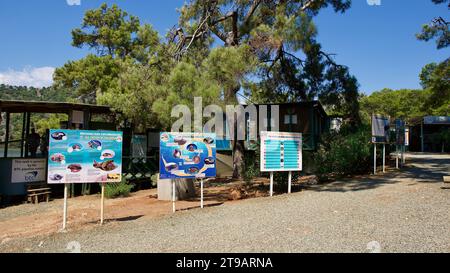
pixel 384 158
pixel 201 193
pixel 102 205
pixel 65 207
pixel 289 182
pixel 271 183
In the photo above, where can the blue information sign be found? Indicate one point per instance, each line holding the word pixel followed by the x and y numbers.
pixel 281 151
pixel 187 155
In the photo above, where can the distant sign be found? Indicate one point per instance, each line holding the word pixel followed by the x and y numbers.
pixel 281 152
pixel 28 170
pixel 406 137
pixel 436 120
pixel 80 156
pixel 380 129
pixel 400 132
pixel 187 155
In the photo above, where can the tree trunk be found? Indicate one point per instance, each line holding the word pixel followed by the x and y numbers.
pixel 238 158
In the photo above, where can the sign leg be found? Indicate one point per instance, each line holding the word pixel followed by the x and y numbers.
pixel 173 195
pixel 396 158
pixel 271 183
pixel 289 182
pixel 66 186
pixel 384 158
pixel 374 158
pixel 102 205
pixel 201 193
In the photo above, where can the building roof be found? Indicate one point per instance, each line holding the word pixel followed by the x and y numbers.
pixel 16 106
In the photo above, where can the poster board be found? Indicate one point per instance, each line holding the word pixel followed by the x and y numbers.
pixel 380 129
pixel 82 156
pixel 28 170
pixel 187 155
pixel 280 152
pixel 400 132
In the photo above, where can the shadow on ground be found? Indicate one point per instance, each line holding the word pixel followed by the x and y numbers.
pixel 420 168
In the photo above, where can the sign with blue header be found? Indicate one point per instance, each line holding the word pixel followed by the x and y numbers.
pixel 81 156
pixel 187 155
pixel 281 152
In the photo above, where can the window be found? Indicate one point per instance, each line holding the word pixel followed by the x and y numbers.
pixel 290 119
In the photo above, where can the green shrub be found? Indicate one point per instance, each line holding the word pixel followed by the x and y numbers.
pixel 114 190
pixel 344 153
pixel 251 163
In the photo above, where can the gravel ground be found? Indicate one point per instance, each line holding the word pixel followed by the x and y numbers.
pixel 406 211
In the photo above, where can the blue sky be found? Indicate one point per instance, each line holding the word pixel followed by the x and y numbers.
pixel 377 42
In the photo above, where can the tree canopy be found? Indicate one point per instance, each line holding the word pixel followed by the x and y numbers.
pixel 438 29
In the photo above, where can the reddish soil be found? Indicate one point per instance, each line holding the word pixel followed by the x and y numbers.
pixel 84 211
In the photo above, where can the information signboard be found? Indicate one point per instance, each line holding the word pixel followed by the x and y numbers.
pixel 27 170
pixel 380 129
pixel 281 152
pixel 187 155
pixel 81 156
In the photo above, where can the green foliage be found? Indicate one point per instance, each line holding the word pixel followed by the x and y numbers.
pixel 115 190
pixel 344 153
pixel 438 29
pixel 118 38
pixel 406 104
pixel 435 78
pixel 50 121
pixel 410 104
pixel 90 76
pixel 111 31
pixel 251 165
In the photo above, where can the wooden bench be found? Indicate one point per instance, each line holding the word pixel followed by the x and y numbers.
pixel 35 193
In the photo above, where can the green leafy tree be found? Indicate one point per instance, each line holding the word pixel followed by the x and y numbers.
pixel 436 79
pixel 438 29
pixel 116 37
pixel 275 31
pixel 405 103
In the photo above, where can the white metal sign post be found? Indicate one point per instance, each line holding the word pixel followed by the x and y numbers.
pixel 281 152
pixel 65 207
pixel 201 193
pixel 173 195
pixel 384 158
pixel 289 182
pixel 271 184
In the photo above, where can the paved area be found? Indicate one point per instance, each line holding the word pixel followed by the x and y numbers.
pixel 407 211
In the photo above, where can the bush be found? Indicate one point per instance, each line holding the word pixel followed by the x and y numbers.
pixel 344 153
pixel 114 190
pixel 251 169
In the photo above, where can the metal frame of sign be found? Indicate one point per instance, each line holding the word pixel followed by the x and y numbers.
pixel 281 152
pixel 86 151
pixel 187 156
